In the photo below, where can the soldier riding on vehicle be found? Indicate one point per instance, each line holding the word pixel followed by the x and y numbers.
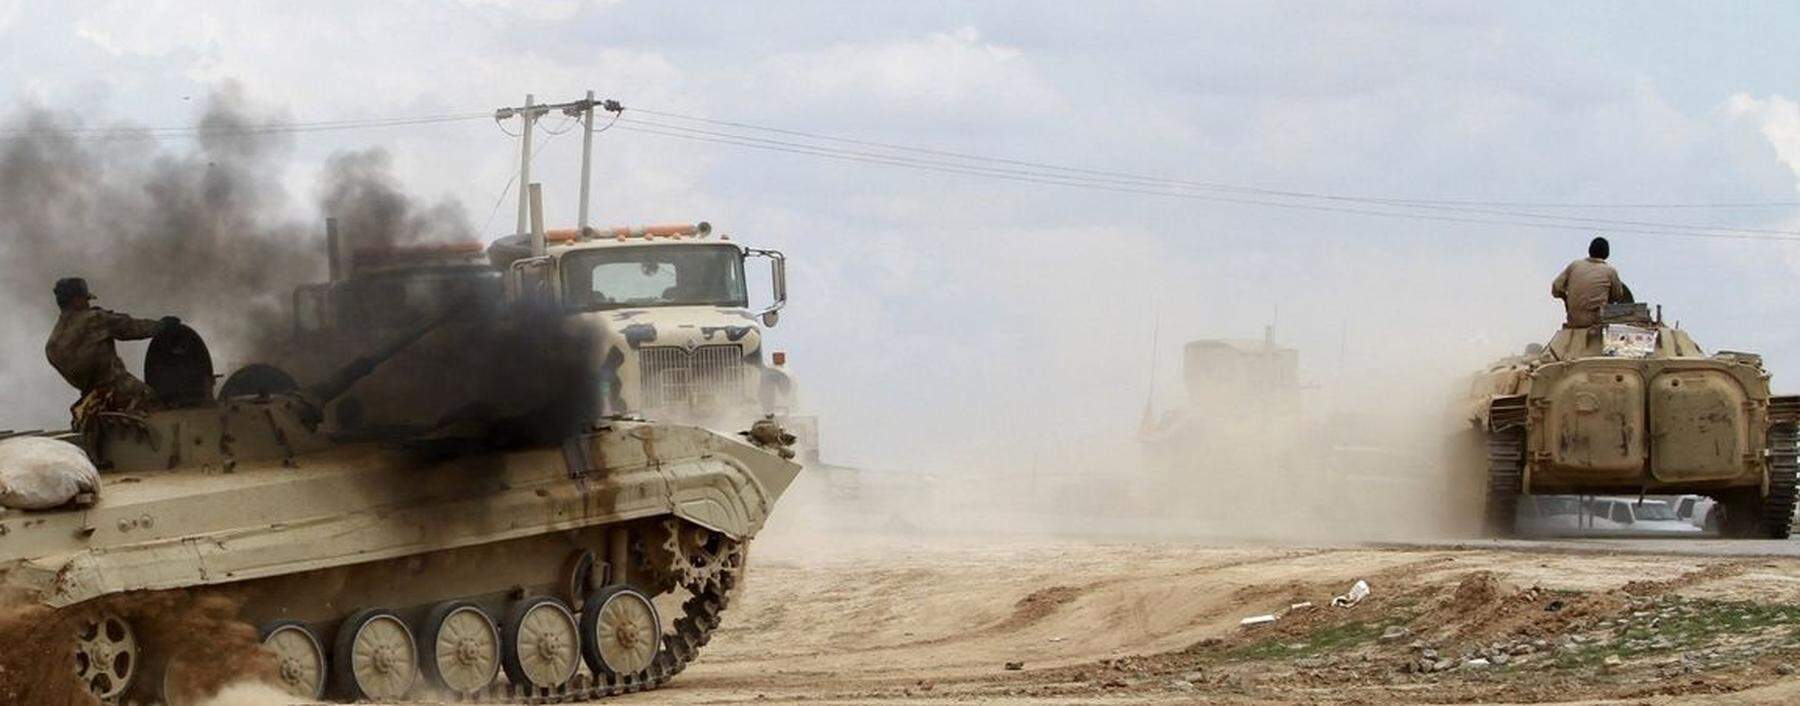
pixel 81 349
pixel 1588 285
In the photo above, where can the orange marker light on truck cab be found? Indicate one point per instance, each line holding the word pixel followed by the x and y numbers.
pixel 780 358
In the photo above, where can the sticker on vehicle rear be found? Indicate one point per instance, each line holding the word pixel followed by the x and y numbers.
pixel 1623 341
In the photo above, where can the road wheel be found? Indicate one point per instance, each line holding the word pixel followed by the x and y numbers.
pixel 461 648
pixel 375 657
pixel 621 632
pixel 299 658
pixel 106 656
pixel 542 643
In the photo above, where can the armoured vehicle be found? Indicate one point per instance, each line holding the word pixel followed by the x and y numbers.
pixel 1237 429
pixel 1633 406
pixel 384 564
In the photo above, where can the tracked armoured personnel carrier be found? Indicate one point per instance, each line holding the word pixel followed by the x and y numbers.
pixel 384 565
pixel 1633 406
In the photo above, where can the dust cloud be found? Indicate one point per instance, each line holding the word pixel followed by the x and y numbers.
pixel 249 694
pixel 200 631
pixel 1076 432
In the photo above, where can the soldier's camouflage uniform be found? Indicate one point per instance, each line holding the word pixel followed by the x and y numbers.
pixel 81 349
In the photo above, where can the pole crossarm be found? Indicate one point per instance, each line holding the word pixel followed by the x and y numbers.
pixel 528 116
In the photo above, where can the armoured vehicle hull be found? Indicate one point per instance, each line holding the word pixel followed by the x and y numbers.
pixel 1633 407
pixel 458 562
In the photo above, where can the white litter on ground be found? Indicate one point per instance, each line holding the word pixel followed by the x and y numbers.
pixel 1358 592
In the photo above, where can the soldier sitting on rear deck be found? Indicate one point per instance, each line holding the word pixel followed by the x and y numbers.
pixel 1588 285
pixel 81 349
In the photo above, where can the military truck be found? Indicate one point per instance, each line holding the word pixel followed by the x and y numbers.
pixel 1633 406
pixel 679 341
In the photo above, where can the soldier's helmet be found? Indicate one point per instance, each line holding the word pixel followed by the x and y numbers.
pixel 68 289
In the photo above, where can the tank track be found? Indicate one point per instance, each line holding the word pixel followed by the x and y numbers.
pixel 701 615
pixel 1784 465
pixel 1506 464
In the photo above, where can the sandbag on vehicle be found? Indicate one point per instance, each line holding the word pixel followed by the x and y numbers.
pixel 38 473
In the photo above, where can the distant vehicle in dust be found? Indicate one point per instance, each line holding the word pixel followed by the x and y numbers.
pixel 1242 396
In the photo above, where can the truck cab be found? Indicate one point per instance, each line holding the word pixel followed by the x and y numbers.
pixel 680 340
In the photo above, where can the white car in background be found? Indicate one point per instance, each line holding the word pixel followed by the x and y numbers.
pixel 1550 514
pixel 1634 515
pixel 1699 511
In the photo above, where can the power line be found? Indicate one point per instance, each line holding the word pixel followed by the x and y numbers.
pixel 1019 170
pixel 827 153
pixel 1162 188
pixel 1197 184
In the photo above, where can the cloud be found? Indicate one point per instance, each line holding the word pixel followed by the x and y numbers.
pixel 948 75
pixel 1778 119
pixel 153 29
pixel 545 10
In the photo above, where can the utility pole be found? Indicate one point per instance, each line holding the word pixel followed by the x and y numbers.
pixel 587 155
pixel 528 115
pixel 584 109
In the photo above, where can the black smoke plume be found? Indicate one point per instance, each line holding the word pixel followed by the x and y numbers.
pixel 360 191
pixel 198 228
pixel 202 228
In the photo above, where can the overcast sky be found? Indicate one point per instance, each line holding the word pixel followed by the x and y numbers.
pixel 940 318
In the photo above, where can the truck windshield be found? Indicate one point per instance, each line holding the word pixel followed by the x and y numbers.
pixel 654 275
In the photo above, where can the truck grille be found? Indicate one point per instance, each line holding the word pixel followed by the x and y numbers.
pixel 710 376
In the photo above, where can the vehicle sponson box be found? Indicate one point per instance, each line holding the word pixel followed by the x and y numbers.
pixel 1641 423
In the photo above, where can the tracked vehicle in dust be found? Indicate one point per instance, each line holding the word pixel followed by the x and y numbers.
pixel 1633 406
pixel 387 565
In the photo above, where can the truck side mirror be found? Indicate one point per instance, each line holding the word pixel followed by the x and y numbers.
pixel 777 280
pixel 531 281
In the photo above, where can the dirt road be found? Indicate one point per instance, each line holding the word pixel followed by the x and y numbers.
pixel 894 619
